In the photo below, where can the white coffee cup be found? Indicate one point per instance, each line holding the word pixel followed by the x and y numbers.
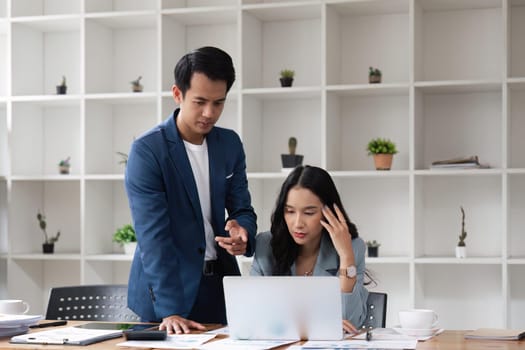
pixel 418 319
pixel 13 307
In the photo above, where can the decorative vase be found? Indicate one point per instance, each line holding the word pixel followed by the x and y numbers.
pixel 373 252
pixel 461 252
pixel 286 82
pixel 291 160
pixel 64 169
pixel 61 89
pixel 374 79
pixel 129 248
pixel 48 248
pixel 137 88
pixel 383 161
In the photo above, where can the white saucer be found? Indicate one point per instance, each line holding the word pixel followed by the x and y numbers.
pixel 416 332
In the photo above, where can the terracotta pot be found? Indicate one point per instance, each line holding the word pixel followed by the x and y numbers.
pixel 374 79
pixel 383 161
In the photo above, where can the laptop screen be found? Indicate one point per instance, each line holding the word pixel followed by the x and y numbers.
pixel 283 307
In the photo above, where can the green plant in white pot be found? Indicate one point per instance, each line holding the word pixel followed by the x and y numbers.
pixel 126 237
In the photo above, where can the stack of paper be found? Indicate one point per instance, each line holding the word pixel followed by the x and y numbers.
pixel 471 162
pixel 16 324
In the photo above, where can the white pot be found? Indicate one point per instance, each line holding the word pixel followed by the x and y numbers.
pixel 129 248
pixel 461 252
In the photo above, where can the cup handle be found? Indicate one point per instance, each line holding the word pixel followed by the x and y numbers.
pixel 435 320
pixel 27 307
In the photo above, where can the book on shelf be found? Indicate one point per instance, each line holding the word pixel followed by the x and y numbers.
pixel 471 162
pixel 496 334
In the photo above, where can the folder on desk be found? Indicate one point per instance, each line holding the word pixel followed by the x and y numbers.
pixel 67 336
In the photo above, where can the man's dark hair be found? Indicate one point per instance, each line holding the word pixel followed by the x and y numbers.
pixel 210 61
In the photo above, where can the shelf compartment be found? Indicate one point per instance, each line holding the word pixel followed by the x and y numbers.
pixel 3 9
pixel 364 34
pixel 438 215
pixel 470 122
pixel 516 304
pixel 178 4
pixel 393 280
pixel 31 280
pixel 107 272
pixel 192 29
pixel 118 50
pixel 42 53
pixel 515 216
pixel 264 193
pixel 106 210
pixel 269 123
pixel 463 282
pixel 4 153
pixel 516 122
pixel 93 6
pixel 111 126
pixel 381 213
pixel 280 37
pixel 36 120
pixel 3 218
pixel 516 28
pixel 21 8
pixel 54 131
pixel 441 30
pixel 353 120
pixel 59 201
pixel 3 60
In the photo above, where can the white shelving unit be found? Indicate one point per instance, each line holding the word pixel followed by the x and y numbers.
pixel 453 85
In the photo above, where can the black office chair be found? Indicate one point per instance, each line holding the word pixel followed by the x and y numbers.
pixel 376 310
pixel 90 303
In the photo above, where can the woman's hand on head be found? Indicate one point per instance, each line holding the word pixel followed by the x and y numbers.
pixel 337 227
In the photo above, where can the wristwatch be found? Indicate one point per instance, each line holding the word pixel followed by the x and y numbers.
pixel 349 272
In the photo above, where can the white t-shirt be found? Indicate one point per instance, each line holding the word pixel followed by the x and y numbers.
pixel 198 156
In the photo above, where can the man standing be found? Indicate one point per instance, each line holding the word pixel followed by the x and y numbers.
pixel 181 177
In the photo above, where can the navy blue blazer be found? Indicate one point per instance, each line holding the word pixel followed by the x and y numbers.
pixel 327 264
pixel 162 193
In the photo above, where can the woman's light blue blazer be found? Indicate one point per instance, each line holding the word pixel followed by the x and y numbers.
pixel 327 264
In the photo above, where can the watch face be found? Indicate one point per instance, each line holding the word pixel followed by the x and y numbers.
pixel 351 271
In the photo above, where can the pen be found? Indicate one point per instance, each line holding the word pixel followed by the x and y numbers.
pixel 49 324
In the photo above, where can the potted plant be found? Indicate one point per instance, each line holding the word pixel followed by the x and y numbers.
pixel 291 160
pixel 383 151
pixel 286 78
pixel 48 247
pixel 126 237
pixel 374 75
pixel 373 248
pixel 64 166
pixel 124 158
pixel 136 86
pixel 461 249
pixel 62 88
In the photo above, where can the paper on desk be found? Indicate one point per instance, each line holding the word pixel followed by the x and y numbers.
pixel 360 344
pixel 232 344
pixel 173 341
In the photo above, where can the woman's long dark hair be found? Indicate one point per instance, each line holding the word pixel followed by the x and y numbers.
pixel 320 183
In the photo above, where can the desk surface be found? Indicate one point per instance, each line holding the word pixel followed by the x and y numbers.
pixel 448 340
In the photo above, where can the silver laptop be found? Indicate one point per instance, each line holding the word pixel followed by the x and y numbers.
pixel 283 307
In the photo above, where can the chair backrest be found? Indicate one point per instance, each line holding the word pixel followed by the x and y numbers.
pixel 90 303
pixel 376 310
